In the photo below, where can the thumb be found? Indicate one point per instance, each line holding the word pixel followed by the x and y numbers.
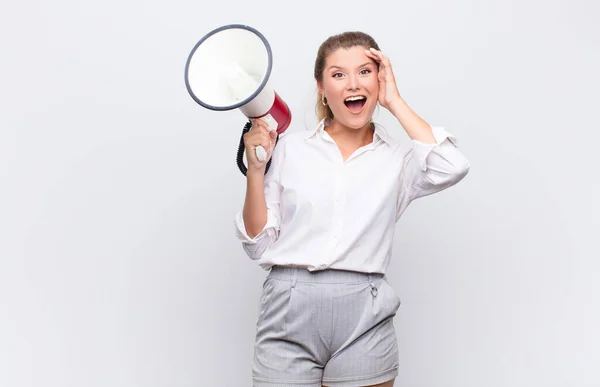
pixel 273 137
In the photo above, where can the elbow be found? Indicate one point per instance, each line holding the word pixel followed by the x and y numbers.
pixel 257 248
pixel 254 252
pixel 257 237
pixel 461 169
pixel 252 230
pixel 251 233
pixel 450 175
pixel 446 166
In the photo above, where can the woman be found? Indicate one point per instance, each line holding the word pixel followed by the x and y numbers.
pixel 322 221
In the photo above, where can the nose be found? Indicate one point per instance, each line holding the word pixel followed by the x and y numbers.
pixel 353 83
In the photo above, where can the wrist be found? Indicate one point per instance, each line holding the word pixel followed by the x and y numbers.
pixel 254 172
pixel 397 107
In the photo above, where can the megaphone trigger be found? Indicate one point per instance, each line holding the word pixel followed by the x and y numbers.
pixel 269 120
pixel 261 153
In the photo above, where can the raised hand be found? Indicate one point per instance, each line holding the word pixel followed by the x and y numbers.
pixel 388 90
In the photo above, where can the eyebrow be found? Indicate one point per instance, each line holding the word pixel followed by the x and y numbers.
pixel 341 68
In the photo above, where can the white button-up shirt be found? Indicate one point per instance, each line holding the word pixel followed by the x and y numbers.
pixel 324 212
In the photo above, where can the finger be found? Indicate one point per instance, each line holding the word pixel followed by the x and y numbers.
pixel 260 125
pixel 266 126
pixel 384 64
pixel 258 136
pixel 377 53
pixel 257 123
pixel 372 55
pixel 263 142
pixel 384 59
pixel 265 139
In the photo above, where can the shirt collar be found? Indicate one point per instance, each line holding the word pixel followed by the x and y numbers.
pixel 380 132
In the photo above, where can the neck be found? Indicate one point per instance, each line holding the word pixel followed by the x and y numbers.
pixel 356 137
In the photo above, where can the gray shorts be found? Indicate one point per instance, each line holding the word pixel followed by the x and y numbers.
pixel 331 327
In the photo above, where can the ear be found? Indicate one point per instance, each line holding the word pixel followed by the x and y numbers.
pixel 320 87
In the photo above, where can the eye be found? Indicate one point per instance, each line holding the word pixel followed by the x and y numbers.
pixel 335 75
pixel 365 71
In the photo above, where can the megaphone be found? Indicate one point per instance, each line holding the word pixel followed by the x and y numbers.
pixel 229 68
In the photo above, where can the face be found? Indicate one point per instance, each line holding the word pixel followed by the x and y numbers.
pixel 350 86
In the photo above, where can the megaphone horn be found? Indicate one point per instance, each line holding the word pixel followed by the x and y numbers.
pixel 229 68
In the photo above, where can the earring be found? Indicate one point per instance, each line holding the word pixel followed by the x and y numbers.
pixel 323 100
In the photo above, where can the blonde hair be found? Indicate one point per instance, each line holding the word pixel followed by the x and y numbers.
pixel 344 40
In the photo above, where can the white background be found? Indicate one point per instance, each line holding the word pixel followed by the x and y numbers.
pixel 118 260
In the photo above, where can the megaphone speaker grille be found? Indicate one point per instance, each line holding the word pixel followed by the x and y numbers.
pixel 228 67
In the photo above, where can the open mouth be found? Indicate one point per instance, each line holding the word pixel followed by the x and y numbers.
pixel 355 103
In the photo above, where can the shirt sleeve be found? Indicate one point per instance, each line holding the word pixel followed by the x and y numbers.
pixel 431 168
pixel 255 247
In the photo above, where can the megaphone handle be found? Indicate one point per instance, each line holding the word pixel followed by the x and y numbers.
pixel 241 149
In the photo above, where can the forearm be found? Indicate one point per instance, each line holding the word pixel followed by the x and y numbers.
pixel 416 128
pixel 255 206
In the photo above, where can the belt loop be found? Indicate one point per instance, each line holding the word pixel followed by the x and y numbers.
pixel 294 276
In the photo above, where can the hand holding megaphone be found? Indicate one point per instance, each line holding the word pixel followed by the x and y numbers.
pixel 259 142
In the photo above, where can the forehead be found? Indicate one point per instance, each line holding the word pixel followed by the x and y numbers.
pixel 348 57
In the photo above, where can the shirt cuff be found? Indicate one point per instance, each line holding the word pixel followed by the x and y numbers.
pixel 422 149
pixel 268 230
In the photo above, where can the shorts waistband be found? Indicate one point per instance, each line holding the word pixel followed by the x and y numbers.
pixel 297 274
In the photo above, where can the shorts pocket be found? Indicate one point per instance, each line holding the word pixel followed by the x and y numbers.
pixel 265 295
pixel 393 296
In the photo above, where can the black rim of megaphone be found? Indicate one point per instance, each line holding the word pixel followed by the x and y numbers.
pixel 258 90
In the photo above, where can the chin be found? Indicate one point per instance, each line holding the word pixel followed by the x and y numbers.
pixel 358 121
pixel 355 120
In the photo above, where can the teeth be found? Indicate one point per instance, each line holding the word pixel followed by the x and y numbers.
pixel 356 98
